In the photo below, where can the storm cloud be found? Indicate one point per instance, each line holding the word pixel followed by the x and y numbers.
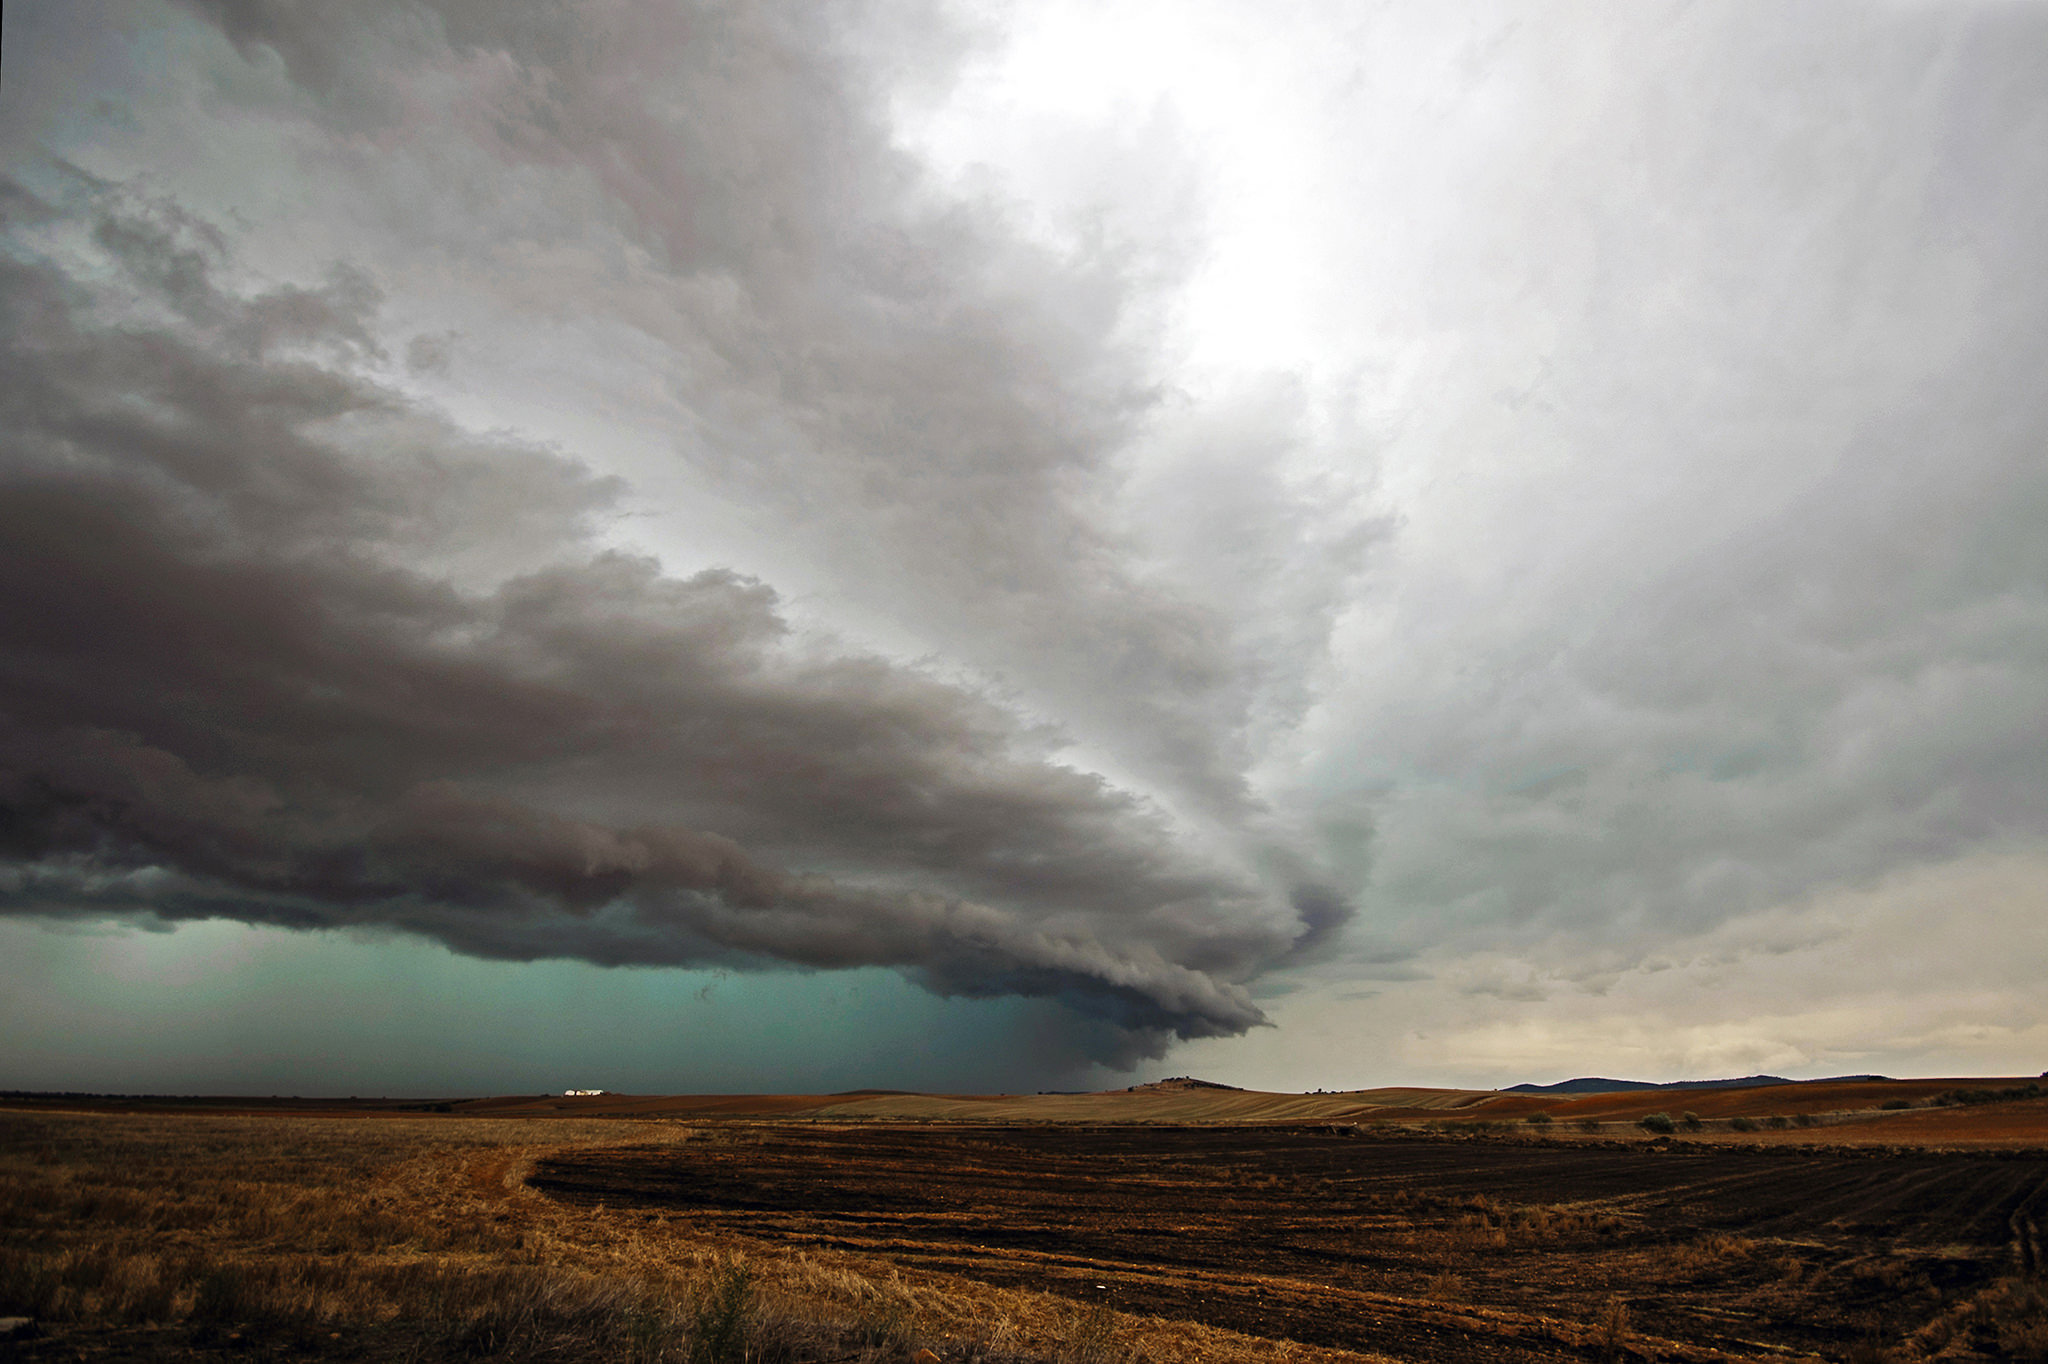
pixel 1412 523
pixel 299 651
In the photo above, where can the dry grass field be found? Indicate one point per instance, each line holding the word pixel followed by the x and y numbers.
pixel 1169 1224
pixel 366 1236
pixel 1887 1112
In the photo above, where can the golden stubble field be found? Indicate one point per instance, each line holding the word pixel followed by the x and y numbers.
pixel 138 1235
pixel 1430 1225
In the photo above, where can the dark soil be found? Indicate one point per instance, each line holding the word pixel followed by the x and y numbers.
pixel 1419 1248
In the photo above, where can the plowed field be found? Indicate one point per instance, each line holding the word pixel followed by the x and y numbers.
pixel 1428 1249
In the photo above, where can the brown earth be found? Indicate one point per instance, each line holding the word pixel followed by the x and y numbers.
pixel 388 1238
pixel 1840 1097
pixel 1221 1225
pixel 1838 1111
pixel 1485 1249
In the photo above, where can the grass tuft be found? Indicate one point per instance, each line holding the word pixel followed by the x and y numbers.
pixel 720 1319
pixel 1090 1337
pixel 1610 1333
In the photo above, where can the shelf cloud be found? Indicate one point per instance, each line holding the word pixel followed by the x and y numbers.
pixel 302 652
pixel 1374 520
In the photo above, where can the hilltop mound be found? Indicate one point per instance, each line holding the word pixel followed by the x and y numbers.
pixel 1181 1082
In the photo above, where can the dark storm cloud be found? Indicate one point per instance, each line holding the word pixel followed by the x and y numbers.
pixel 930 402
pixel 280 645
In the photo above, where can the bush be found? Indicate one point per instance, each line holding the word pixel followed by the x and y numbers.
pixel 2017 1313
pixel 2029 1090
pixel 1611 1332
pixel 223 1295
pixel 1896 1103
pixel 1658 1122
pixel 1538 1120
pixel 1691 1121
pixel 1743 1124
pixel 721 1334
pixel 1090 1337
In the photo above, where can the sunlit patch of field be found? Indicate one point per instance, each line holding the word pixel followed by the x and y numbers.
pixel 1165 1103
pixel 1906 1112
pixel 1159 1104
pixel 1958 1113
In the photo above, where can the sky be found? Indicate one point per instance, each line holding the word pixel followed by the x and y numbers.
pixel 966 546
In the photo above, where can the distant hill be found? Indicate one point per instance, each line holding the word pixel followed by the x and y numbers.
pixel 866 1093
pixel 1597 1085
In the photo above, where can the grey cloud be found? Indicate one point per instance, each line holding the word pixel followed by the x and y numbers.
pixel 1761 604
pixel 1505 988
pixel 1662 458
pixel 282 646
pixel 426 354
pixel 934 403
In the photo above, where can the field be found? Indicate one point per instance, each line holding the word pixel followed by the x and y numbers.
pixel 1167 1224
pixel 1425 1249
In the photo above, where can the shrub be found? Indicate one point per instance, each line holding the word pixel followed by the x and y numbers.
pixel 883 1326
pixel 721 1317
pixel 1538 1120
pixel 1611 1334
pixel 1743 1124
pixel 1691 1121
pixel 1659 1123
pixel 1896 1103
pixel 2029 1090
pixel 2017 1313
pixel 223 1294
pixel 1444 1286
pixel 1777 1120
pixel 1805 1120
pixel 1090 1337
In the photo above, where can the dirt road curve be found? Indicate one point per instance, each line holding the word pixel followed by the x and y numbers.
pixel 1418 1248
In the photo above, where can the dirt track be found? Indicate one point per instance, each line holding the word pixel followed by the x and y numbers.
pixel 1418 1248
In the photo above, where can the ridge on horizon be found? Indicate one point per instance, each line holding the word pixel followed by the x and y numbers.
pixel 1591 1084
